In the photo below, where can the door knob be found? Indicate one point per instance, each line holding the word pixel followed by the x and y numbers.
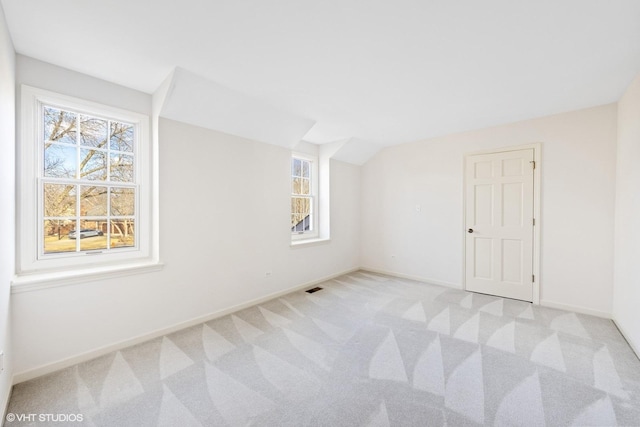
pixel 470 230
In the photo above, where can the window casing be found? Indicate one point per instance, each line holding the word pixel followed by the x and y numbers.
pixel 84 184
pixel 304 196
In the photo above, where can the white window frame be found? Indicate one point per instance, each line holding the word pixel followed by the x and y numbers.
pixel 31 258
pixel 315 166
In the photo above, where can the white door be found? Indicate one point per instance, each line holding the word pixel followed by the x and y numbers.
pixel 499 224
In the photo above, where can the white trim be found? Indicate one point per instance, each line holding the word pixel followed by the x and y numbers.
pixel 537 211
pixel 28 227
pixel 92 354
pixel 412 277
pixel 298 243
pixel 575 308
pixel 626 336
pixel 315 211
pixel 37 281
pixel 544 303
pixel 5 407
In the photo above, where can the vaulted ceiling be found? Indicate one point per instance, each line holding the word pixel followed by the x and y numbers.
pixel 378 72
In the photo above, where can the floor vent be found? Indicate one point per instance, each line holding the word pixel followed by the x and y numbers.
pixel 310 291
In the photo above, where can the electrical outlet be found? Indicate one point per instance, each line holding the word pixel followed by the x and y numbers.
pixel 267 274
pixel 418 208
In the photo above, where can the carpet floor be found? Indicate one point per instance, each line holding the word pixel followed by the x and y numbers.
pixel 366 350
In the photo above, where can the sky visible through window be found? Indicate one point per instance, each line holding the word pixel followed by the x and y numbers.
pixel 88 186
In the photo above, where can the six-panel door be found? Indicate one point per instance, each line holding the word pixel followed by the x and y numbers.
pixel 499 224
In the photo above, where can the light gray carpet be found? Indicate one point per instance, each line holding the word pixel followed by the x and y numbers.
pixel 368 350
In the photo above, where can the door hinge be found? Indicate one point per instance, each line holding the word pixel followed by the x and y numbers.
pixel 533 277
pixel 534 221
pixel 533 163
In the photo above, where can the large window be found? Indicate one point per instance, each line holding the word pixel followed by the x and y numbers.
pixel 304 200
pixel 84 182
pixel 88 190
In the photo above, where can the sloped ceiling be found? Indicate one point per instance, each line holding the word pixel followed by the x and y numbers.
pixel 189 98
pixel 196 100
pixel 371 72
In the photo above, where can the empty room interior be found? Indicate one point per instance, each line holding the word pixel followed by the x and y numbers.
pixel 349 213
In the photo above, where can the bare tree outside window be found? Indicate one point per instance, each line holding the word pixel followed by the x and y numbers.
pixel 88 186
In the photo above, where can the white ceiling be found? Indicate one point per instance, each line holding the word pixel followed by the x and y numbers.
pixel 384 72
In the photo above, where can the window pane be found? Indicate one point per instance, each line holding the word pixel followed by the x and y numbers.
pixel 56 236
pixel 92 235
pixel 296 169
pixel 306 166
pixel 93 165
pixel 303 224
pixel 121 167
pixel 297 186
pixel 301 212
pixel 87 190
pixel 123 201
pixel 93 200
pixel 298 224
pixel 305 186
pixel 59 126
pixel 121 137
pixel 302 205
pixel 59 200
pixel 59 161
pixel 122 233
pixel 93 132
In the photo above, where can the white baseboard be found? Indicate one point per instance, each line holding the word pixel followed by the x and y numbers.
pixel 634 346
pixel 65 363
pixel 545 303
pixel 575 308
pixel 4 406
pixel 411 277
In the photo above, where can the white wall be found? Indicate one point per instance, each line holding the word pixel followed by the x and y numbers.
pixel 224 222
pixel 7 203
pixel 626 294
pixel 224 205
pixel 578 186
pixel 43 75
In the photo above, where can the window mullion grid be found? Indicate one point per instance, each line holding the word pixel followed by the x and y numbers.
pixel 67 181
pixel 67 151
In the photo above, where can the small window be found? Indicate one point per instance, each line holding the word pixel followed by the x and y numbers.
pixel 90 168
pixel 304 196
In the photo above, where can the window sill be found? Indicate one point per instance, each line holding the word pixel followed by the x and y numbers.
pixel 38 280
pixel 310 242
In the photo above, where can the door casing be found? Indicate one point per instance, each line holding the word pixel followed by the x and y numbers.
pixel 537 155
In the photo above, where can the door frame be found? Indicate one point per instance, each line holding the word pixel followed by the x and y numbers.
pixel 537 212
